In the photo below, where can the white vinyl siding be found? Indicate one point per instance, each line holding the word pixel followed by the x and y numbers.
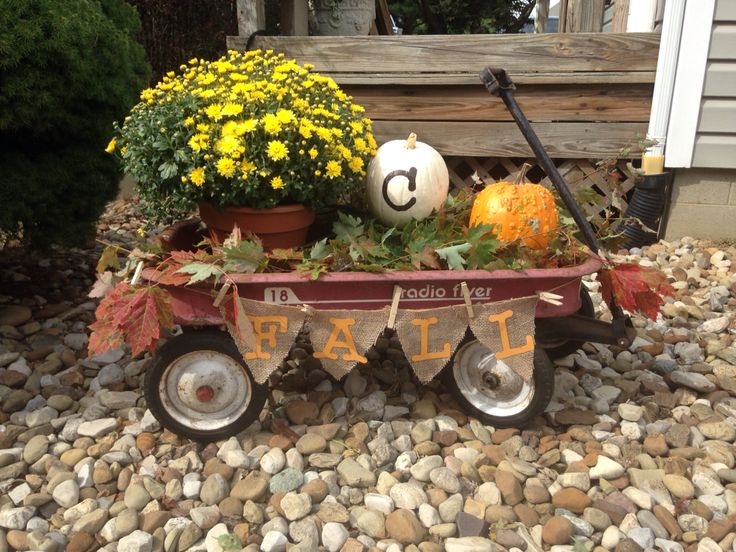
pixel 715 140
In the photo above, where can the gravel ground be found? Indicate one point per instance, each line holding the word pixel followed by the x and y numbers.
pixel 636 451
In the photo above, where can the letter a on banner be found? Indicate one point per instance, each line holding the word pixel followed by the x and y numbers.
pixel 429 337
pixel 507 329
pixel 341 337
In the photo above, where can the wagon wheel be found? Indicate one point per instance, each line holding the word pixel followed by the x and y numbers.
pixel 199 387
pixel 562 347
pixel 488 389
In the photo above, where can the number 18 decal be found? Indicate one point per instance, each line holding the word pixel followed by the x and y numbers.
pixel 280 296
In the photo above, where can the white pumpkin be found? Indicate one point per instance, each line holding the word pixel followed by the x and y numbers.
pixel 406 180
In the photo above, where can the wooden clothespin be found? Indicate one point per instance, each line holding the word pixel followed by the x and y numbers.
pixel 137 273
pixel 221 294
pixel 466 297
pixel 549 297
pixel 394 307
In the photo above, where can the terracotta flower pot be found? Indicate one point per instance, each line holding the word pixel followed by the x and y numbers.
pixel 283 226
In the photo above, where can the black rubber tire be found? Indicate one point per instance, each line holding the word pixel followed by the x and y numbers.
pixel 544 384
pixel 568 347
pixel 197 340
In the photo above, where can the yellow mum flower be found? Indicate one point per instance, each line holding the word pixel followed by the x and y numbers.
pixel 324 133
pixel 360 145
pixel 198 142
pixel 333 169
pixel 246 167
pixel 189 121
pixel 356 126
pixel 356 164
pixel 345 152
pixel 197 176
pixel 277 183
pixel 111 146
pixel 305 128
pixel 231 109
pixel 249 125
pixel 214 111
pixel 277 150
pixel 271 124
pixel 203 127
pixel 285 116
pixel 226 167
pixel 227 144
pixel 313 152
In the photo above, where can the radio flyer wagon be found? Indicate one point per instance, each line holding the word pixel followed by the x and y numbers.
pixel 200 386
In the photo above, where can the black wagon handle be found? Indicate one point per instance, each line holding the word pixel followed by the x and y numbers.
pixel 499 83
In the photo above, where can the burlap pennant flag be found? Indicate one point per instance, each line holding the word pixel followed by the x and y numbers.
pixel 274 329
pixel 429 337
pixel 341 337
pixel 507 329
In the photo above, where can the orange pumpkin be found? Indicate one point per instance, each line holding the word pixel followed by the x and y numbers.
pixel 519 211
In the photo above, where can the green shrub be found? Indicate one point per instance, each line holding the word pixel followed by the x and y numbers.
pixel 68 69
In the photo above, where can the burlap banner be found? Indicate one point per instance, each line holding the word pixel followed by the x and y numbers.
pixel 429 337
pixel 341 337
pixel 275 328
pixel 507 328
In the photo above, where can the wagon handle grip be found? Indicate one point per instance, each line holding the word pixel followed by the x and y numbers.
pixel 496 80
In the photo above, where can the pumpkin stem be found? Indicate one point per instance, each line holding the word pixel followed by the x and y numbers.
pixel 411 141
pixel 522 173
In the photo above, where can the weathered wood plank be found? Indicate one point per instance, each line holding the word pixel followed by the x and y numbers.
pixel 714 150
pixel 432 79
pixel 725 11
pixel 720 79
pixel 717 115
pixel 470 54
pixel 570 140
pixel 585 16
pixel 473 103
pixel 251 17
pixel 723 42
pixel 620 16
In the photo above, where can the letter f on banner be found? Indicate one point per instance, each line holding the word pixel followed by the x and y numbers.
pixel 275 324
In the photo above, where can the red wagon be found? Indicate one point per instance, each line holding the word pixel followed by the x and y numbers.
pixel 201 387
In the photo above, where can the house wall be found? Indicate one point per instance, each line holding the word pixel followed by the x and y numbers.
pixel 715 140
pixel 703 204
pixel 704 196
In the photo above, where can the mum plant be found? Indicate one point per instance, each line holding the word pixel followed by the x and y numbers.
pixel 251 129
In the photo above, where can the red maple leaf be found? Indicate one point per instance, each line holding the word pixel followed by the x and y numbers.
pixel 167 271
pixel 635 288
pixel 131 314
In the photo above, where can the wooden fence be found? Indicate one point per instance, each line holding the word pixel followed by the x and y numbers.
pixel 588 95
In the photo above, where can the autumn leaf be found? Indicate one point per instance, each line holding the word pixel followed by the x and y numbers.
pixel 635 288
pixel 102 286
pixel 452 255
pixel 280 428
pixel 244 256
pixel 108 259
pixel 200 272
pixel 133 315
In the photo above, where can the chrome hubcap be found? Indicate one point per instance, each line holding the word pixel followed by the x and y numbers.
pixel 205 390
pixel 489 384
